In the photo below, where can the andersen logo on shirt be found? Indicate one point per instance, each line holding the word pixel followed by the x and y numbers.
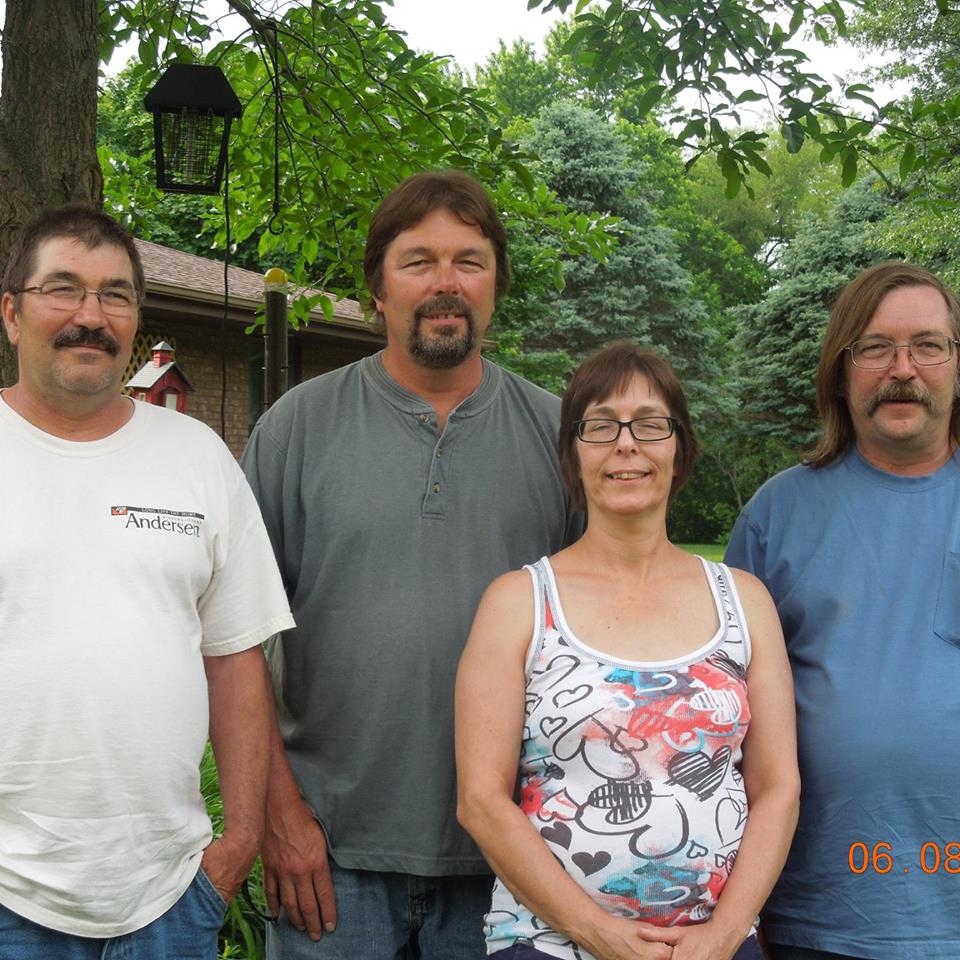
pixel 157 518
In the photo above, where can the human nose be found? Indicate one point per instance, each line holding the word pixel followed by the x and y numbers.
pixel 89 312
pixel 446 279
pixel 625 439
pixel 902 366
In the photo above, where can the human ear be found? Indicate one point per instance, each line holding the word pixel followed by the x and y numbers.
pixel 8 308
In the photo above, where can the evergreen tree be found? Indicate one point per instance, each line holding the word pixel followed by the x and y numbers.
pixel 641 291
pixel 781 335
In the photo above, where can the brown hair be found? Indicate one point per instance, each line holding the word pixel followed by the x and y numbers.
pixel 409 202
pixel 75 221
pixel 852 313
pixel 605 373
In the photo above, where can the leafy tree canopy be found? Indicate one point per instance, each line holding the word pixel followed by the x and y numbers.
pixel 731 53
pixel 920 38
pixel 358 110
pixel 797 186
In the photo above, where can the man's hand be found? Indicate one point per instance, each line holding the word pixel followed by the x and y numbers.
pixel 296 872
pixel 226 866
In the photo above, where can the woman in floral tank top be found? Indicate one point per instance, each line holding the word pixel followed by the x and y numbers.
pixel 646 697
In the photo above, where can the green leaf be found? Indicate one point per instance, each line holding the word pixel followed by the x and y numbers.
pixel 860 128
pixel 399 62
pixel 525 177
pixel 853 92
pixel 613 11
pixel 731 172
pixel 574 41
pixel 794 136
pixel 758 163
pixel 694 128
pixel 326 305
pixel 907 160
pixel 849 173
pixel 559 278
pixel 732 188
pixel 796 21
pixel 147 51
pixel 649 99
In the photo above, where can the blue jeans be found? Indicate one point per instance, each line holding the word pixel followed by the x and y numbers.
pixel 779 951
pixel 187 931
pixel 748 950
pixel 394 916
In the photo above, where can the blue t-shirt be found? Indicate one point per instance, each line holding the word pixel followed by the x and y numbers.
pixel 864 567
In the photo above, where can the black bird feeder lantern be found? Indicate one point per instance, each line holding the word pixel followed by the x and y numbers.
pixel 192 106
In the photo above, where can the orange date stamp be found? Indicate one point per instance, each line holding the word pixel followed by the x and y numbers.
pixel 879 858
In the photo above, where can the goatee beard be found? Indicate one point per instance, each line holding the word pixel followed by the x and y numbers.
pixel 447 346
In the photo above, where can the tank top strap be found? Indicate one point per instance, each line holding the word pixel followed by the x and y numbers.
pixel 735 642
pixel 545 603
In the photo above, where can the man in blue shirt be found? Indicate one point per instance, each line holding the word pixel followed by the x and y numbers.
pixel 860 548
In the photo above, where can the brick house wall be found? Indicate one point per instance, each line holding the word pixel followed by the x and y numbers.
pixel 199 356
pixel 197 351
pixel 184 306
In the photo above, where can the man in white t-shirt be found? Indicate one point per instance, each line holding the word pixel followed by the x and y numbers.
pixel 136 585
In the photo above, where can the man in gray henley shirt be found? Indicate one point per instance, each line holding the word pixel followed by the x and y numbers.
pixel 394 490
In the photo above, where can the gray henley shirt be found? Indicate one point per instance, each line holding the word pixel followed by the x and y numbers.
pixel 387 534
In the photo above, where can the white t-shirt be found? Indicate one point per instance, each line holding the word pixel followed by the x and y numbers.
pixel 123 561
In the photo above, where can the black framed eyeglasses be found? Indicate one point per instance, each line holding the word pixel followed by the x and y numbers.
pixel 67 295
pixel 644 429
pixel 877 353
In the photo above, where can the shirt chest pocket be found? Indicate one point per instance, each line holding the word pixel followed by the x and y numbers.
pixel 946 622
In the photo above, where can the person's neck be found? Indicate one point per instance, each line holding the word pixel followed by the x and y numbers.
pixel 908 462
pixel 79 421
pixel 635 544
pixel 443 389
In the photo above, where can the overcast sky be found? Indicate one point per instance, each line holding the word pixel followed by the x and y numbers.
pixel 468 29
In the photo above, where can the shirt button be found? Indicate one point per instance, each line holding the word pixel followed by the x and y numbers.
pixel 436 488
pixel 439 451
pixel 424 417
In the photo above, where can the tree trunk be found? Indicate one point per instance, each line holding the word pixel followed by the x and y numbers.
pixel 48 117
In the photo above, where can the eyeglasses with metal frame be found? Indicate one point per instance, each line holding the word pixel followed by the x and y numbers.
pixel 66 295
pixel 878 353
pixel 643 429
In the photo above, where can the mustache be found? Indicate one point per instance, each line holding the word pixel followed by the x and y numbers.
pixel 900 393
pixel 444 303
pixel 85 337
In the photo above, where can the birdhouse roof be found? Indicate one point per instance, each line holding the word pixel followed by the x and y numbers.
pixel 149 375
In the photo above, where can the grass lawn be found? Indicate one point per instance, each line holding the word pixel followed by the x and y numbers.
pixel 712 551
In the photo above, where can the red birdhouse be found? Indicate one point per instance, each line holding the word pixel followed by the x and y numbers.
pixel 161 381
